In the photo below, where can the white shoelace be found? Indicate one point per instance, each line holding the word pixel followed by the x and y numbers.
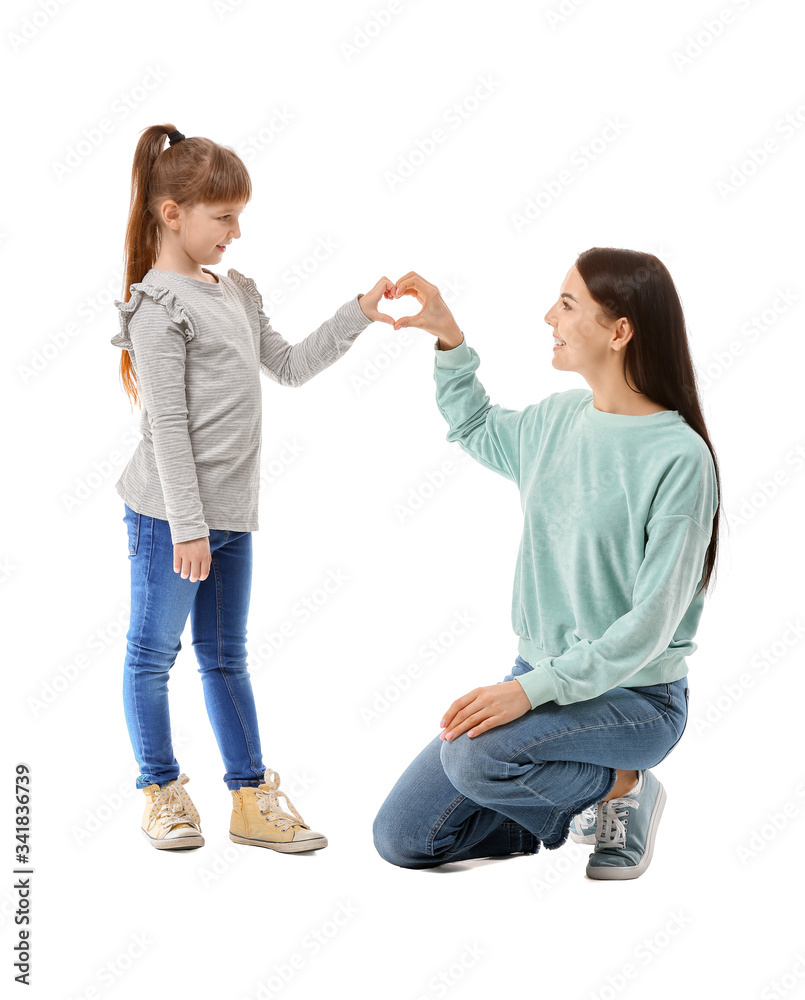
pixel 613 821
pixel 174 801
pixel 589 816
pixel 266 795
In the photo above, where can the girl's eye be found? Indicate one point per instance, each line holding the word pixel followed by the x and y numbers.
pixel 565 305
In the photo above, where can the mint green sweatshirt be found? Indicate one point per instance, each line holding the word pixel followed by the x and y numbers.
pixel 617 517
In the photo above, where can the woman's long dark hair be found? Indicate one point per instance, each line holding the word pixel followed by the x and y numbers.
pixel 657 358
pixel 190 171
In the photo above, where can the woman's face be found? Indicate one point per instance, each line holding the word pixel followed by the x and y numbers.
pixel 576 319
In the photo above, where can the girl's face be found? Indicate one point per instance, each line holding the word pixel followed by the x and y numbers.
pixel 201 232
pixel 576 319
pixel 210 228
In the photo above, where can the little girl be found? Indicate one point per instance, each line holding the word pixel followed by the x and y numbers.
pixel 194 343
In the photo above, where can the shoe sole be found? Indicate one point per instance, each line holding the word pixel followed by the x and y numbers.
pixel 290 847
pixel 175 843
pixel 633 871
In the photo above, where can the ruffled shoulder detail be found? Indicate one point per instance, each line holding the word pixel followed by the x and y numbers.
pixel 247 284
pixel 159 293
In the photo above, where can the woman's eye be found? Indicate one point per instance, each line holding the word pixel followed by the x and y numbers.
pixel 565 305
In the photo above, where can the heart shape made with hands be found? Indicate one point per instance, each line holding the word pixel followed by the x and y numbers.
pixel 397 308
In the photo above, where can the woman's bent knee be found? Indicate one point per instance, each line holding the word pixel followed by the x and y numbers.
pixel 469 767
pixel 399 841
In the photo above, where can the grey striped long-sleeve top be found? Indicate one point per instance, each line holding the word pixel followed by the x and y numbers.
pixel 197 348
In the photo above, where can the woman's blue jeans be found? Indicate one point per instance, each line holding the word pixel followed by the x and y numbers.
pixel 519 784
pixel 218 607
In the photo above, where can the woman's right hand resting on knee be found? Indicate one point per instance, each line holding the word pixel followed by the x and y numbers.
pixel 192 559
pixel 434 316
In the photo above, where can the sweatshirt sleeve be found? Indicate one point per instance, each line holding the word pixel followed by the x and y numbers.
pixel 665 585
pixel 295 364
pixel 158 345
pixel 488 432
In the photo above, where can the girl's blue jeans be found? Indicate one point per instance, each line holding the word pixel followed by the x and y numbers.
pixel 519 784
pixel 218 607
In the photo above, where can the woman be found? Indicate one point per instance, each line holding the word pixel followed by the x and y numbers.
pixel 619 488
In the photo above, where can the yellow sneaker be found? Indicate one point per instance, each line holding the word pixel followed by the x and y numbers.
pixel 257 819
pixel 170 821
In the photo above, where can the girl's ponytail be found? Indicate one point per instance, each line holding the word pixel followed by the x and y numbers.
pixel 190 171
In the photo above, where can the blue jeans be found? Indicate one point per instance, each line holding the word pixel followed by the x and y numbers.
pixel 519 784
pixel 218 607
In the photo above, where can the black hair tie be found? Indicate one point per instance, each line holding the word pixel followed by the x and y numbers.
pixel 175 136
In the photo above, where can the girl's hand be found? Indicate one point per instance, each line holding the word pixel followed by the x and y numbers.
pixel 192 559
pixel 484 708
pixel 369 301
pixel 434 316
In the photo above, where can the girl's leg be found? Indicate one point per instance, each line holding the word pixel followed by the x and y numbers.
pixel 160 604
pixel 218 622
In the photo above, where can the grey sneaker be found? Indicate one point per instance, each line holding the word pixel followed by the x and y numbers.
pixel 625 838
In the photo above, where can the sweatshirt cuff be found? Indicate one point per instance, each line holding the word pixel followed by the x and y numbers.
pixel 455 357
pixel 354 314
pixel 537 684
pixel 188 533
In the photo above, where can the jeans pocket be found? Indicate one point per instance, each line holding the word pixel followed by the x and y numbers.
pixel 684 727
pixel 132 519
pixel 687 711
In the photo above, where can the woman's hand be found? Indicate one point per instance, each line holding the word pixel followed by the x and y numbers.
pixel 192 559
pixel 369 301
pixel 434 316
pixel 484 708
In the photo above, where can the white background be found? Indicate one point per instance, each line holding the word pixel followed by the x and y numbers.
pixel 716 908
